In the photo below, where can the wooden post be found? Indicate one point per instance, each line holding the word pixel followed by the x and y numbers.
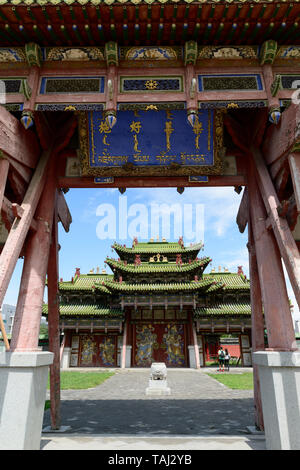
pixel 53 324
pixel 26 326
pixel 285 241
pixel 16 237
pixel 278 317
pixel 257 321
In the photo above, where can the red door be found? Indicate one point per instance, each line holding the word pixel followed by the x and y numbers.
pixel 160 343
pixel 98 350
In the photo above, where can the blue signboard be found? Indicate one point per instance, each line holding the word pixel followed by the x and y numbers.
pixel 148 139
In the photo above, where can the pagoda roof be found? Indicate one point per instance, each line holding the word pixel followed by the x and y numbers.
pixel 106 284
pixel 232 308
pixel 87 310
pixel 86 282
pixel 144 22
pixel 157 247
pixel 189 286
pixel 230 281
pixel 162 267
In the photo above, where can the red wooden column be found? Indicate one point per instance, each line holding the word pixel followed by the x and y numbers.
pixel 278 316
pixel 257 321
pixel 26 326
pixel 53 323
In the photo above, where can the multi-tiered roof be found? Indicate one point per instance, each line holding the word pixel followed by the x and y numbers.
pixel 160 270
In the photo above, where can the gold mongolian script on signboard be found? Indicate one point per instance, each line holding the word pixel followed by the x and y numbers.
pixel 150 143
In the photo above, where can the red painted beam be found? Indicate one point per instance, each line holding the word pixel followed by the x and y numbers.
pixel 150 182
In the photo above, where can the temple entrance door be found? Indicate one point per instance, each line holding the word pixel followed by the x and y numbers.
pixel 98 351
pixel 164 342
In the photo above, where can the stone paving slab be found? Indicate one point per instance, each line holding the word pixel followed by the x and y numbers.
pixel 134 443
pixel 198 406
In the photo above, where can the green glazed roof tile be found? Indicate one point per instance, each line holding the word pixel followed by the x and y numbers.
pixel 224 309
pixel 176 286
pixel 163 267
pixel 85 282
pixel 157 247
pixel 231 281
pixel 86 310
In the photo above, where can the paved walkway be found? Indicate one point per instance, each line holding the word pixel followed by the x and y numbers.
pixel 200 413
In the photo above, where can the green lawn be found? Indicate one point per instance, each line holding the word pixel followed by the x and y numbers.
pixel 80 380
pixel 243 381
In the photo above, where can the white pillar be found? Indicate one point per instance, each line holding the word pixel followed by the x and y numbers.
pixel 128 356
pixel 279 375
pixel 66 358
pixel 192 357
pixel 23 385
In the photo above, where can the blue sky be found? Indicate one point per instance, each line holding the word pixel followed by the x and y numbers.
pixel 208 214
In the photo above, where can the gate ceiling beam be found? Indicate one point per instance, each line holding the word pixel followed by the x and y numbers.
pixel 151 182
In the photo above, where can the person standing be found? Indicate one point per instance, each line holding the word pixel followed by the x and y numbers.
pixel 227 359
pixel 221 356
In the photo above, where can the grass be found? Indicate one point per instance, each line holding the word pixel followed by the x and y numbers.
pixel 77 380
pixel 243 381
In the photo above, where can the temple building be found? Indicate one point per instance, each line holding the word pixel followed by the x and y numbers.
pixel 159 305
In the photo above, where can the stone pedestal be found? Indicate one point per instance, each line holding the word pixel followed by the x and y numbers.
pixel 23 385
pixel 158 380
pixel 158 388
pixel 279 375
